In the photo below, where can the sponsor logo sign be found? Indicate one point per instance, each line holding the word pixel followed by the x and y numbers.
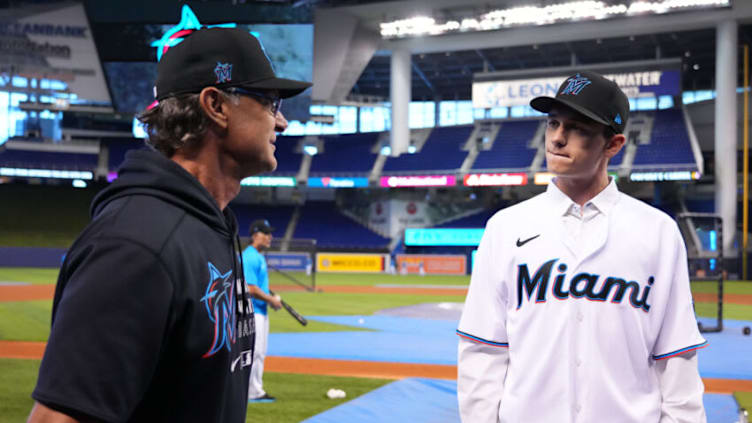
pixel 432 264
pixel 418 181
pixel 494 179
pixel 683 175
pixel 327 182
pixel 344 262
pixel 443 236
pixel 269 181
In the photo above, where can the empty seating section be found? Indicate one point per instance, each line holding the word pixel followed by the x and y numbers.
pixel 278 217
pixel 47 160
pixel 669 142
pixel 288 161
pixel 345 154
pixel 476 220
pixel 510 149
pixel 441 152
pixel 618 158
pixel 322 221
pixel 118 148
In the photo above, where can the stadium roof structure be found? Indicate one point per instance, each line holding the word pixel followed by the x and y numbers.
pixel 441 67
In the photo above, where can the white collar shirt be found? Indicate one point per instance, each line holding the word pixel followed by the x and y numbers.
pixel 585 299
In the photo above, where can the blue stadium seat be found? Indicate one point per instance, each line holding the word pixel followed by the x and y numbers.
pixel 288 161
pixel 510 148
pixel 278 217
pixel 476 220
pixel 322 221
pixel 345 154
pixel 669 142
pixel 441 152
pixel 48 160
pixel 117 149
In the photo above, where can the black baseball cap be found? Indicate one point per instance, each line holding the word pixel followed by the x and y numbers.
pixel 261 225
pixel 221 57
pixel 592 95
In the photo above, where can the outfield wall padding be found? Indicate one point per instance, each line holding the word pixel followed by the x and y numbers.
pixel 31 257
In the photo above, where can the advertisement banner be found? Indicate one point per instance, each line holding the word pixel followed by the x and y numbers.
pixel 495 179
pixel 269 181
pixel 346 262
pixel 443 236
pixel 432 264
pixel 54 42
pixel 418 181
pixel 676 175
pixel 295 262
pixel 337 182
pixel 519 92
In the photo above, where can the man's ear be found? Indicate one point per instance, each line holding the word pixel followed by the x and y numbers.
pixel 215 105
pixel 615 144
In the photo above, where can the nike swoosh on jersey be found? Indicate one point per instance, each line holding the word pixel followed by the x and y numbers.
pixel 521 243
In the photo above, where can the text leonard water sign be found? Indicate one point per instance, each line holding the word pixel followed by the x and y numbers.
pixel 519 92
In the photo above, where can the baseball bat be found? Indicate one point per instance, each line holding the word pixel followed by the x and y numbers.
pixel 302 320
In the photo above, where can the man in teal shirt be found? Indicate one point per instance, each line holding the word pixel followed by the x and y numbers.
pixel 257 278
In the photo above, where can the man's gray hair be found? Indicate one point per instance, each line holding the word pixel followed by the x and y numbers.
pixel 176 122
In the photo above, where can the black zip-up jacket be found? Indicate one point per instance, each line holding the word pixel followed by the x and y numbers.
pixel 146 322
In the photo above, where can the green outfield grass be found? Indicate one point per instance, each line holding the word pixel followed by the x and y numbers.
pixel 729 287
pixel 303 396
pixel 368 279
pixel 25 320
pixel 744 399
pixel 19 377
pixel 298 396
pixel 31 275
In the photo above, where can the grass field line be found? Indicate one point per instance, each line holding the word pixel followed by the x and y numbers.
pixel 43 292
pixel 354 368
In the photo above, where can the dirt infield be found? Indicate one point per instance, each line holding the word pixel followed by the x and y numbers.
pixel 26 292
pixel 372 369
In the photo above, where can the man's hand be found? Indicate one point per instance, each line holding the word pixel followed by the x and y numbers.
pixel 275 301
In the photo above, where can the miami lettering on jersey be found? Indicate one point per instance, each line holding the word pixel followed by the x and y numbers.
pixel 580 285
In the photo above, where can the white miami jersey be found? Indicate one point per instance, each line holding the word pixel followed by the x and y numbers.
pixel 584 317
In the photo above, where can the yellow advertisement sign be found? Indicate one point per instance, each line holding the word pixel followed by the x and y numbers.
pixel 341 262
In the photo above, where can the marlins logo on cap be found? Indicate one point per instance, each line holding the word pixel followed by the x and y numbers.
pixel 223 72
pixel 261 225
pixel 575 84
pixel 592 95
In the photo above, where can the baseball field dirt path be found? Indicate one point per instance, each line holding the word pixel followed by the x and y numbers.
pixel 372 369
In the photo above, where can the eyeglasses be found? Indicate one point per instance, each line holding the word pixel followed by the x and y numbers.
pixel 274 103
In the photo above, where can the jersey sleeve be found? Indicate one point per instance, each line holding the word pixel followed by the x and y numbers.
pixel 484 314
pixel 108 330
pixel 678 333
pixel 250 267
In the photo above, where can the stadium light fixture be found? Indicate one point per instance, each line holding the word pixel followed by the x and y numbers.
pixel 540 15
pixel 311 150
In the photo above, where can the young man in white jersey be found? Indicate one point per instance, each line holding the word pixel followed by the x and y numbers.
pixel 579 307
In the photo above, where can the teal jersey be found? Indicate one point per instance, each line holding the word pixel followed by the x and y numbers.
pixel 256 273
